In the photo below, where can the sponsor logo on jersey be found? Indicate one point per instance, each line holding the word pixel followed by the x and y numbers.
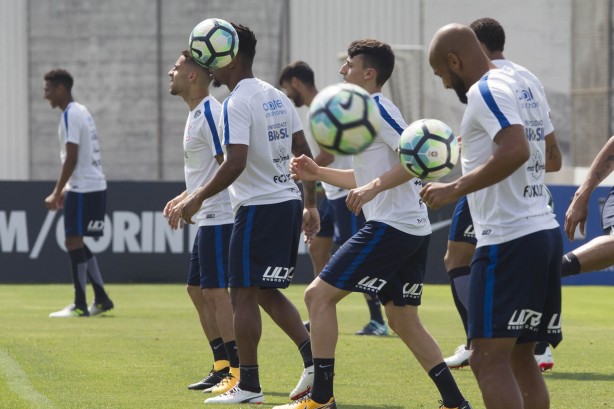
pixel 371 284
pixel 278 274
pixel 533 190
pixel 282 178
pixel 525 319
pixel 536 165
pixel 527 98
pixel 197 114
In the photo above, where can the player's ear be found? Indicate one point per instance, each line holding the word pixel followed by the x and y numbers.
pixel 294 82
pixel 453 61
pixel 370 74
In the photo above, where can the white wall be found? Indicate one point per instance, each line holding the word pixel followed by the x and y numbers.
pixel 14 137
pixel 538 37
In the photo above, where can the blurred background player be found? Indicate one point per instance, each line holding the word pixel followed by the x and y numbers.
pixel 208 271
pixel 462 240
pixel 390 249
pixel 268 211
pixel 515 273
pixel 337 223
pixel 81 190
pixel 598 253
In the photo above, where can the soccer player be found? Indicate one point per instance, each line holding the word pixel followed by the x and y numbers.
pixel 387 257
pixel 208 271
pixel 462 240
pixel 260 129
pixel 598 253
pixel 337 223
pixel 81 189
pixel 515 279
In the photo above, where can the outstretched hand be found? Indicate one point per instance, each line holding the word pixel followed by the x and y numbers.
pixel 304 168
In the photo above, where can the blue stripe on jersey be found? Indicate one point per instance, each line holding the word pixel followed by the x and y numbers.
pixel 219 256
pixel 387 116
pixel 489 290
pixel 491 103
pixel 226 128
pixel 249 223
pixel 80 197
pixel 65 115
pixel 213 128
pixel 362 255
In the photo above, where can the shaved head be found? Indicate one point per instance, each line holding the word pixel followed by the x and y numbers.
pixel 455 54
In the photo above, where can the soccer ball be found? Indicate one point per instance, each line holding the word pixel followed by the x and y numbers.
pixel 428 149
pixel 213 43
pixel 344 119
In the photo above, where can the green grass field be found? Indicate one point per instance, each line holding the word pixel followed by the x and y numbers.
pixel 146 351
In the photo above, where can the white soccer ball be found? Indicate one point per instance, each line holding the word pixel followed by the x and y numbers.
pixel 428 149
pixel 344 119
pixel 213 43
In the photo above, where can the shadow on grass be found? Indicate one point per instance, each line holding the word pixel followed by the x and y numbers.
pixel 580 376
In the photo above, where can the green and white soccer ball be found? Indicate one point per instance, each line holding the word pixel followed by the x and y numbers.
pixel 344 119
pixel 428 149
pixel 213 43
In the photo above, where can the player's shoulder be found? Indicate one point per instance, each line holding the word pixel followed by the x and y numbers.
pixel 389 111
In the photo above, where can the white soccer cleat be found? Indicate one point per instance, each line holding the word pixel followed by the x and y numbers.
pixel 303 387
pixel 545 361
pixel 238 395
pixel 70 311
pixel 460 357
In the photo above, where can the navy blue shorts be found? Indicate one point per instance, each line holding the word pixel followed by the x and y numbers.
pixel 209 257
pixel 84 213
pixel 607 214
pixel 264 245
pixel 380 260
pixel 337 221
pixel 516 289
pixel 462 223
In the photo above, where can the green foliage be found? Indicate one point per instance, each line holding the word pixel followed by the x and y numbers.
pixel 144 353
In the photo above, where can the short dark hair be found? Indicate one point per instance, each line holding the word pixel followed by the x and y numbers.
pixel 376 54
pixel 489 32
pixel 247 41
pixel 190 59
pixel 300 70
pixel 59 76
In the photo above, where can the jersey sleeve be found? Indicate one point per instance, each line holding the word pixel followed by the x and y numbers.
pixel 236 121
pixel 72 122
pixel 392 126
pixel 213 113
pixel 498 107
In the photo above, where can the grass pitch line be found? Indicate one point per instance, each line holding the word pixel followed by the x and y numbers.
pixel 18 382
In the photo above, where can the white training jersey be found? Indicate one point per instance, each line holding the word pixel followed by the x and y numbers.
pixel 531 79
pixel 517 205
pixel 77 126
pixel 332 192
pixel 401 206
pixel 201 143
pixel 260 116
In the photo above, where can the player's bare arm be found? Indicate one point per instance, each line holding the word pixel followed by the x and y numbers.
pixel 361 195
pixel 304 168
pixel 311 217
pixel 554 158
pixel 228 172
pixel 55 200
pixel 511 152
pixel 171 203
pixel 602 166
